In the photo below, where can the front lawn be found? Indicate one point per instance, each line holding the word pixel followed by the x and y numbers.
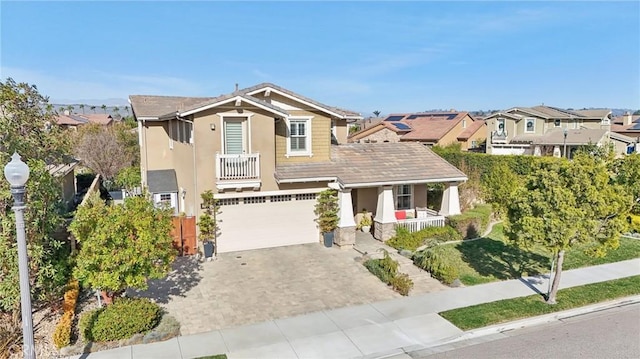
pixel 492 258
pixel 501 311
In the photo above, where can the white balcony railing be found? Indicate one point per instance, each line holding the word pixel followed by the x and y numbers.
pixel 238 167
pixel 417 224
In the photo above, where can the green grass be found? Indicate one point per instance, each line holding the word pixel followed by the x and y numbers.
pixel 506 310
pixel 492 258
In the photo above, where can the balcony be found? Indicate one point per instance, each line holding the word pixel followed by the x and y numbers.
pixel 238 171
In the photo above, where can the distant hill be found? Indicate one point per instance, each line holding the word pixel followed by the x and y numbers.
pixel 111 110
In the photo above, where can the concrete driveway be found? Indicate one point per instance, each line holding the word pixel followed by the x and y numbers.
pixel 254 286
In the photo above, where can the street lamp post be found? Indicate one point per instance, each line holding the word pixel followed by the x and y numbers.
pixel 17 173
pixel 564 143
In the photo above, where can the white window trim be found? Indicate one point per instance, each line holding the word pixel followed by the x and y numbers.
pixel 559 123
pixel 411 197
pixel 533 130
pixel 308 125
pixel 248 128
pixel 504 125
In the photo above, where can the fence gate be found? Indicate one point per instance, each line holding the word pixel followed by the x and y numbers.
pixel 184 235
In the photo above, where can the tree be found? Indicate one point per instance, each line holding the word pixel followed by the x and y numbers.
pixel 104 108
pixel 23 116
pixel 377 113
pixel 105 149
pixel 566 203
pixel 636 113
pixel 116 110
pixel 129 178
pixel 122 246
pixel 70 109
pixel 93 108
pixel 208 222
pixel 82 108
pixel 499 186
pixel 627 175
pixel 126 108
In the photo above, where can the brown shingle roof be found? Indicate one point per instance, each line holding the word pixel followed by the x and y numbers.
pixel 470 130
pixel 431 127
pixel 574 137
pixel 363 163
pixel 67 120
pixel 156 106
pixel 99 118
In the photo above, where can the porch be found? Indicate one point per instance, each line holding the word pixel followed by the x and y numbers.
pixel 237 171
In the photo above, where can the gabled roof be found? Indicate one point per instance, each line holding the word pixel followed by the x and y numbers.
pixel 164 107
pixel 68 120
pixel 471 129
pixel 265 86
pixel 550 112
pixel 98 118
pixel 581 136
pixel 363 164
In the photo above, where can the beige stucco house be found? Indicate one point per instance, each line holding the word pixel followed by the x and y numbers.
pixel 429 128
pixel 551 131
pixel 267 152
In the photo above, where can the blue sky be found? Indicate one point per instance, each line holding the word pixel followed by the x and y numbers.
pixel 364 56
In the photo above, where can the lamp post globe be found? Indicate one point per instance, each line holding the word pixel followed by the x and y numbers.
pixel 16 172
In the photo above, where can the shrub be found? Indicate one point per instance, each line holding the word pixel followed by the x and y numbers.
pixel 387 270
pixel 401 283
pixel 412 241
pixel 122 319
pixel 472 223
pixel 62 333
pixel 439 262
pixel 86 323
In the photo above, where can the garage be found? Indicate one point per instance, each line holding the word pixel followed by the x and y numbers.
pixel 267 221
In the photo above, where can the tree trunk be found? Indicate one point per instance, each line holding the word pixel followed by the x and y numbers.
pixel 556 278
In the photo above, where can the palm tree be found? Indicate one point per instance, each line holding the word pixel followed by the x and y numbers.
pixel 49 107
pixel 377 113
pixel 70 109
pixel 116 109
pixel 60 109
pixel 93 108
pixel 82 108
pixel 104 108
pixel 126 108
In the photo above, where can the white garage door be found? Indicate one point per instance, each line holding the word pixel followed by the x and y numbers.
pixel 268 221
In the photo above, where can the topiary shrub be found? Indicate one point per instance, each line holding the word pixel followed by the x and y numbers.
pixel 472 223
pixel 437 261
pixel 121 320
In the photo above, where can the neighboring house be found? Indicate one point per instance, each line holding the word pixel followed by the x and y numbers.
pixel 266 152
pixel 72 121
pixel 429 128
pixel 628 125
pixel 66 173
pixel 546 130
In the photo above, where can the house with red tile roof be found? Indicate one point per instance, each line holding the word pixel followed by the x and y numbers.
pixel 627 125
pixel 72 121
pixel 429 128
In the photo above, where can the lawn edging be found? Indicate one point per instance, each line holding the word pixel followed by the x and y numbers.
pixel 543 319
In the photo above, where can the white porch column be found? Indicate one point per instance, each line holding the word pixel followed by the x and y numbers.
pixel 450 200
pixel 346 231
pixel 385 220
pixel 556 151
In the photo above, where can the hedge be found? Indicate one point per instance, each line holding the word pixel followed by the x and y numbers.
pixel 62 333
pixel 471 223
pixel 120 320
pixel 439 263
pixel 412 241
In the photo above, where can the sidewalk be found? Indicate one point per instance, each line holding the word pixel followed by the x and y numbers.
pixel 373 330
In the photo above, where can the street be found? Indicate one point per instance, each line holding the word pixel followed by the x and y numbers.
pixel 613 333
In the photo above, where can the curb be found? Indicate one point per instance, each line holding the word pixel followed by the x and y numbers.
pixel 450 343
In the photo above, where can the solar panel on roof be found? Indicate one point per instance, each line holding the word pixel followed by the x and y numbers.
pixel 394 118
pixel 450 116
pixel 401 126
pixel 636 127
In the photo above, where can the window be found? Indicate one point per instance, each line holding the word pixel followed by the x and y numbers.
pixel 299 137
pixel 464 123
pixel 530 125
pixel 165 197
pixel 575 124
pixel 474 144
pixel 556 122
pixel 234 133
pixel 500 125
pixel 403 196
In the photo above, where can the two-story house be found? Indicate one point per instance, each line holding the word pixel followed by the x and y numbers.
pixel 266 152
pixel 545 130
pixel 429 128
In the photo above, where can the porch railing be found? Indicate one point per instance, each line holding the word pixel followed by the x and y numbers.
pixel 417 224
pixel 237 167
pixel 499 136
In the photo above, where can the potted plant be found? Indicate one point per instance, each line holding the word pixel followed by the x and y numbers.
pixel 365 223
pixel 208 224
pixel 326 210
